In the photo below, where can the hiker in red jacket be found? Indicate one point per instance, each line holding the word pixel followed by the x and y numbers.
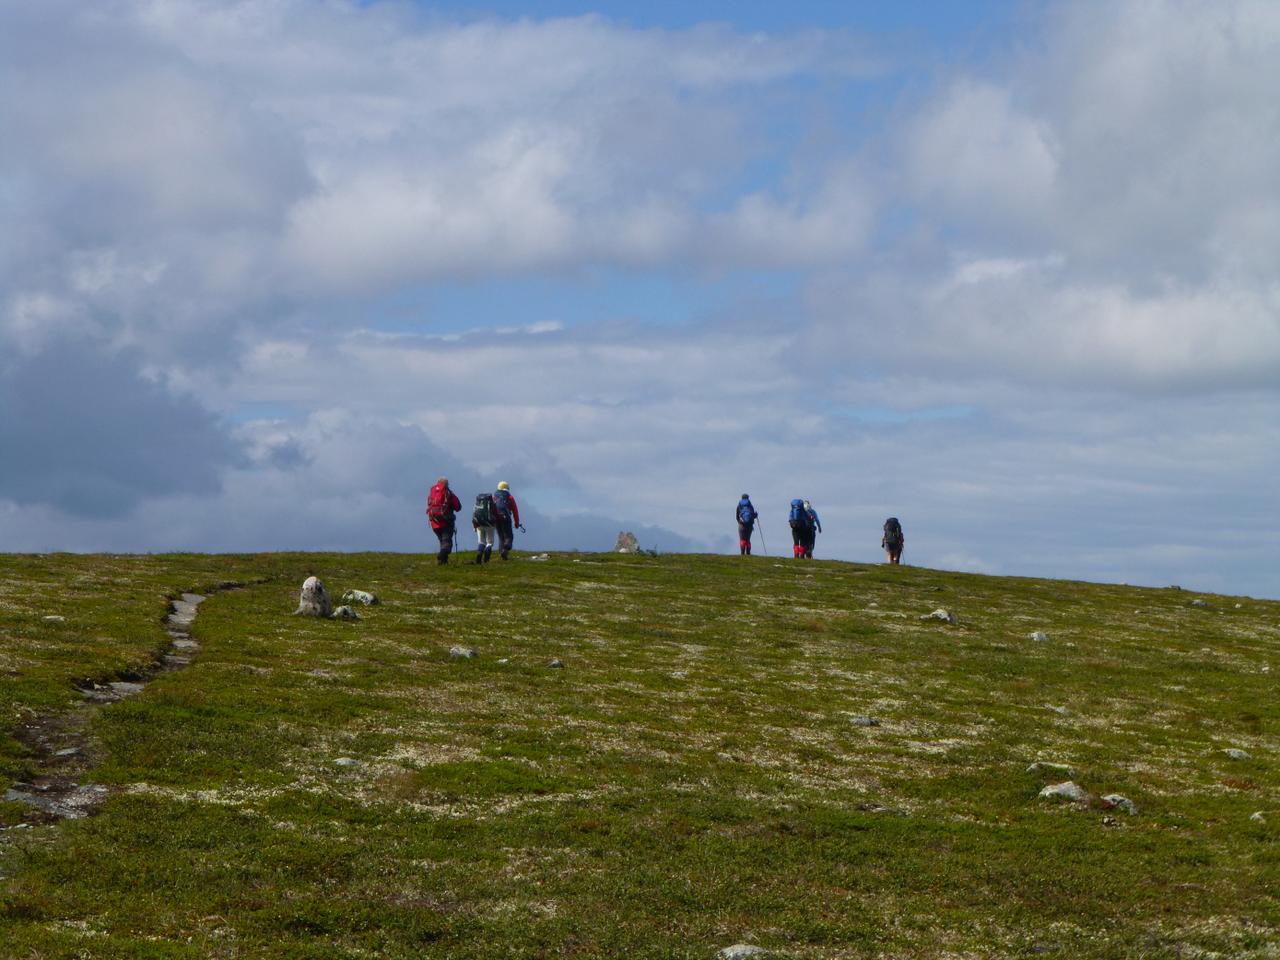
pixel 504 504
pixel 442 505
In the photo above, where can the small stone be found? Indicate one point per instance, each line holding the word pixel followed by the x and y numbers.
pixel 1198 603
pixel 1061 711
pixel 505 660
pixel 873 604
pixel 68 752
pixel 1258 817
pixel 543 556
pixel 1039 636
pixel 462 653
pixel 345 612
pixel 1065 791
pixel 1119 802
pixel 1110 822
pixel 740 951
pixel 346 762
pixel 861 721
pixel 946 616
pixel 125 688
pixel 556 665
pixel 54 618
pixel 360 596
pixel 1048 766
pixel 314 600
pixel 1239 606
pixel 1235 753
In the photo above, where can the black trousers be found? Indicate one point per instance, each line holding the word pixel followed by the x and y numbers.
pixel 506 536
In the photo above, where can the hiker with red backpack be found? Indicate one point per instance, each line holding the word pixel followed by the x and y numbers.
pixel 442 506
pixel 746 515
pixel 507 517
pixel 893 540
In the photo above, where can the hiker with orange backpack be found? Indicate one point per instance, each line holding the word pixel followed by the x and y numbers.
pixel 442 507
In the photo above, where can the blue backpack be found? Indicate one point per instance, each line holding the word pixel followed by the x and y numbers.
pixel 502 503
pixel 746 512
pixel 797 512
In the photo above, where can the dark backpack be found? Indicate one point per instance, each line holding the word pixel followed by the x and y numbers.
pixel 746 512
pixel 502 503
pixel 797 513
pixel 438 507
pixel 892 530
pixel 483 514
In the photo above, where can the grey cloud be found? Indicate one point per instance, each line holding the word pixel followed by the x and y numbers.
pixel 89 435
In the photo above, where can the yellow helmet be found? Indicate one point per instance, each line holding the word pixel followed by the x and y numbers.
pixel 502 485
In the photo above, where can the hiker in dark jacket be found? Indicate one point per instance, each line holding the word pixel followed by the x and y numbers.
pixel 484 521
pixel 442 506
pixel 508 518
pixel 799 522
pixel 746 515
pixel 893 540
pixel 812 528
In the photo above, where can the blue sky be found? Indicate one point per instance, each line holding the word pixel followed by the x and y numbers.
pixel 1001 269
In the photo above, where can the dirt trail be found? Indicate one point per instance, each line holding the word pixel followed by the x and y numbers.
pixel 62 749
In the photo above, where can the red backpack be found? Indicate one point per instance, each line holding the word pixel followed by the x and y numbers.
pixel 438 509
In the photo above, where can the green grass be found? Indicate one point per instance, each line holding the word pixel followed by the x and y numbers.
pixel 689 780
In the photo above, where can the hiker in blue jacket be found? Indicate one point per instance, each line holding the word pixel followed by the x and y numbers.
pixel 746 515
pixel 812 528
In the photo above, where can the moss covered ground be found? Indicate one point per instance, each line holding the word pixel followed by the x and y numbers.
pixel 695 774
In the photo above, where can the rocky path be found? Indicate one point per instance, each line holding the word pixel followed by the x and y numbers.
pixel 64 752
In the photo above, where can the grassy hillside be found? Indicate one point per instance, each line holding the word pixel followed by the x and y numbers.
pixel 695 775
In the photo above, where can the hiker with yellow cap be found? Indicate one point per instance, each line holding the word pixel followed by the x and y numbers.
pixel 507 517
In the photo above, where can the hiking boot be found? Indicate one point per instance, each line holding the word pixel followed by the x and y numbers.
pixel 488 552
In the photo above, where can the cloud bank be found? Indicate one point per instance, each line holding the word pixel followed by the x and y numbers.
pixel 1022 301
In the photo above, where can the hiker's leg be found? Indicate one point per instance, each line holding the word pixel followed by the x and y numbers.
pixel 445 537
pixel 505 537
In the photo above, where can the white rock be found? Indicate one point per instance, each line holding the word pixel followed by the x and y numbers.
pixel 1065 791
pixel 556 664
pixel 1198 603
pixel 861 721
pixel 1039 636
pixel 345 613
pixel 1239 606
pixel 505 660
pixel 314 600
pixel 740 951
pixel 346 762
pixel 462 653
pixel 54 618
pixel 1062 711
pixel 1258 817
pixel 946 616
pixel 1048 766
pixel 541 556
pixel 1120 802
pixel 360 596
pixel 1235 753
